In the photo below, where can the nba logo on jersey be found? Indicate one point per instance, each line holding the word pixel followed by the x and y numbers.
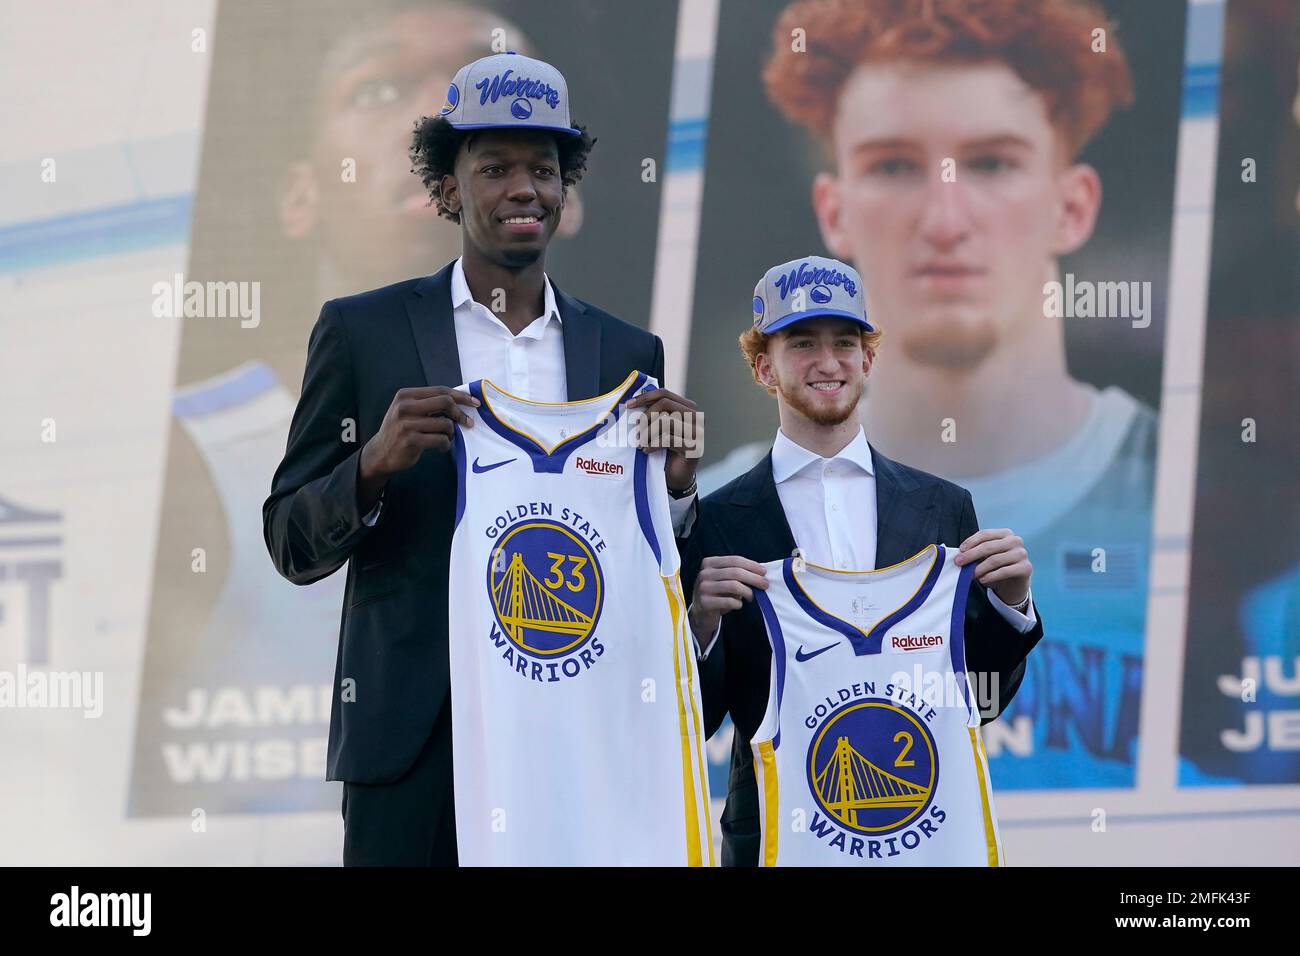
pixel 859 761
pixel 576 720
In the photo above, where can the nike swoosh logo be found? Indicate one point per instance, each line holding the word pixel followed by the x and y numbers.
pixel 479 469
pixel 800 656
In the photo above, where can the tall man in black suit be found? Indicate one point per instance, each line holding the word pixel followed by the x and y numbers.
pixel 379 391
pixel 845 505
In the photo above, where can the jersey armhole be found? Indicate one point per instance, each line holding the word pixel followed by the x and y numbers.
pixel 459 452
pixel 459 456
pixel 769 727
pixel 654 515
pixel 957 642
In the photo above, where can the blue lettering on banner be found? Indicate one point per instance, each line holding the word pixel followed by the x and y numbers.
pixel 493 88
pixel 1069 700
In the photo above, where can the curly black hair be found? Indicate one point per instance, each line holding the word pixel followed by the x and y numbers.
pixel 436 143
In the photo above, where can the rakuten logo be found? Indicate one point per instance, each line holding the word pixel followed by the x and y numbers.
pixel 915 642
pixel 600 469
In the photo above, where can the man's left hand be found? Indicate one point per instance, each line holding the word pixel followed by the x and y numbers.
pixel 677 424
pixel 1003 563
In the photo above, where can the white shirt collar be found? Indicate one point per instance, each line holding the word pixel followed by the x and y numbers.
pixel 789 458
pixel 460 295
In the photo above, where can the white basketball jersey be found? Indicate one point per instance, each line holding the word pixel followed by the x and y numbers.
pixel 576 729
pixel 869 753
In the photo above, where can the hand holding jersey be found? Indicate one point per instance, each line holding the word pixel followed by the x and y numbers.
pixel 1003 566
pixel 723 584
pixel 674 423
pixel 418 419
pixel 726 581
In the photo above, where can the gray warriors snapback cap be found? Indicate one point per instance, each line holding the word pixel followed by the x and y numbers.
pixel 509 91
pixel 806 288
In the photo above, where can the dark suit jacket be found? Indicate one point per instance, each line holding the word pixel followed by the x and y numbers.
pixel 913 509
pixel 393 641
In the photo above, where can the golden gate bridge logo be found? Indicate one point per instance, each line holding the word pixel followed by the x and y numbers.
pixel 546 588
pixel 872 767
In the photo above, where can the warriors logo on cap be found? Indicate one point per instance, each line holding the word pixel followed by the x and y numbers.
pixel 807 288
pixel 453 99
pixel 509 91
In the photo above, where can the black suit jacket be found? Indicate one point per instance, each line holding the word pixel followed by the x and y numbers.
pixel 913 509
pixel 393 642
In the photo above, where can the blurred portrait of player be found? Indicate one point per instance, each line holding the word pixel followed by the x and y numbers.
pixel 956 155
pixel 1003 96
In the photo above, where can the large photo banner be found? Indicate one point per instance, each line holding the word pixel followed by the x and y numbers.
pixel 1241 685
pixel 1015 251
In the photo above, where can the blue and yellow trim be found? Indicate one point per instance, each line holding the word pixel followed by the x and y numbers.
pixel 552 459
pixel 991 841
pixel 777 640
pixel 957 636
pixel 765 775
pixel 697 740
pixel 696 815
pixel 866 642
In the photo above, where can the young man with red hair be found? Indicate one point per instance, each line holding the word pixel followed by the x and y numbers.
pixel 847 508
pixel 952 131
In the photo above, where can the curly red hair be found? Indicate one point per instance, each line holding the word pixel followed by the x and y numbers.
pixel 1048 43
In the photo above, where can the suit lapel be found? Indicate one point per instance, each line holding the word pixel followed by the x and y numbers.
pixel 769 533
pixel 429 309
pixel 581 348
pixel 903 521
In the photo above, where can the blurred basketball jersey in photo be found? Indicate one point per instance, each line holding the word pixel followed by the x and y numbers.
pixel 235 718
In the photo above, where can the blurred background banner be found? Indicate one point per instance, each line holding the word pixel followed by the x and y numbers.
pixel 259 150
pixel 983 357
pixel 1241 688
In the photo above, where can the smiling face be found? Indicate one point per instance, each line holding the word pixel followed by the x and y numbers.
pixel 951 268
pixel 508 191
pixel 818 368
pixel 379 225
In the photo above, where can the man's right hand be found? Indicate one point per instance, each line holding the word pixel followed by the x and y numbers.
pixel 723 584
pixel 418 418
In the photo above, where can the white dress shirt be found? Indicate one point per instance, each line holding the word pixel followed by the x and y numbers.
pixel 830 505
pixel 529 365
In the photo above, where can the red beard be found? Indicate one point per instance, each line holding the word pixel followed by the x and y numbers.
pixel 821 414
